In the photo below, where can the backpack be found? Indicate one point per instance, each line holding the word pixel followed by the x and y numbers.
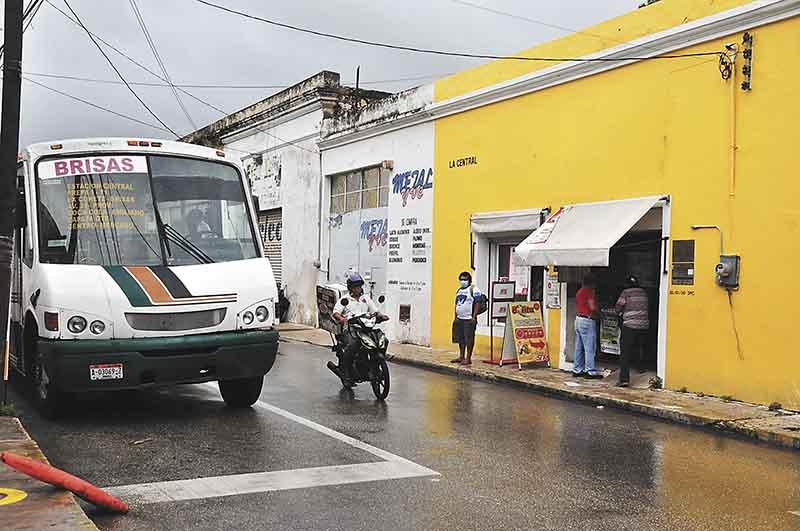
pixel 480 301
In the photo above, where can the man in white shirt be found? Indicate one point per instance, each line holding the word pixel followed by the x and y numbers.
pixel 466 318
pixel 358 303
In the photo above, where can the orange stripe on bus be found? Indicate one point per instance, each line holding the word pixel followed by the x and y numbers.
pixel 151 284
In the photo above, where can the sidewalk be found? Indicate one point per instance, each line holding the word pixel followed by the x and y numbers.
pixel 45 507
pixel 777 428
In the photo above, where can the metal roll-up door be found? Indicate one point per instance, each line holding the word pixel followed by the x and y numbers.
pixel 270 225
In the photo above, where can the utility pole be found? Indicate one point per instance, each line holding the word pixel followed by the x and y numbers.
pixel 9 147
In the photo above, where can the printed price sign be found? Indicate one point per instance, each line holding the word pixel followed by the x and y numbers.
pixel 525 333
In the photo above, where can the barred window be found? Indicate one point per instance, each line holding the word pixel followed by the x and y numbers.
pixel 360 189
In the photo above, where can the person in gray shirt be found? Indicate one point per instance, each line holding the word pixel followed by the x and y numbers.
pixel 633 305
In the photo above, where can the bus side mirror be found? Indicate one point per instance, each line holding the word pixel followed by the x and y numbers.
pixel 20 213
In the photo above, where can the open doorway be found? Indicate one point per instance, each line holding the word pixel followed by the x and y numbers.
pixel 639 253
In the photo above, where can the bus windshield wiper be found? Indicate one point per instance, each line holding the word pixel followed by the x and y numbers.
pixel 190 248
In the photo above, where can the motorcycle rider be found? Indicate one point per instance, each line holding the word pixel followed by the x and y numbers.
pixel 358 303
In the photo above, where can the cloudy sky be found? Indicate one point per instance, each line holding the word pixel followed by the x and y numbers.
pixel 202 46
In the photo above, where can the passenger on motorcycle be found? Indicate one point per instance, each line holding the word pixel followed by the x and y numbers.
pixel 358 304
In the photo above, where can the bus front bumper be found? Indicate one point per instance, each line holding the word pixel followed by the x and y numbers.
pixel 158 361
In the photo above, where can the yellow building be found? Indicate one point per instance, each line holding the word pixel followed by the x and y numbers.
pixel 682 145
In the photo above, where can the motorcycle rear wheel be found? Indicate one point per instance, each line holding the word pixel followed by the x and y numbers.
pixel 380 380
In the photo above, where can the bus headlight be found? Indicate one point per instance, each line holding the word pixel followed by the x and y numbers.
pixel 76 324
pixel 257 316
pixel 97 327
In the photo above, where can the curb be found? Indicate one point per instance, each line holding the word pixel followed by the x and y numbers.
pixel 45 507
pixel 736 428
pixel 747 428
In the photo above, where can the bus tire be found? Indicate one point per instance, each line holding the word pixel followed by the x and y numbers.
pixel 242 392
pixel 48 398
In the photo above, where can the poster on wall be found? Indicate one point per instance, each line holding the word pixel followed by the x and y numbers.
pixel 525 337
pixel 553 293
pixel 610 332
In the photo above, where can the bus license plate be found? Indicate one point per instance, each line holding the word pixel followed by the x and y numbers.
pixel 106 371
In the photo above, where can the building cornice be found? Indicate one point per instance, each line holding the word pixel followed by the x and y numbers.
pixel 719 25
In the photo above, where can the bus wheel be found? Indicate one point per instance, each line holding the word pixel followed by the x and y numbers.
pixel 49 400
pixel 242 392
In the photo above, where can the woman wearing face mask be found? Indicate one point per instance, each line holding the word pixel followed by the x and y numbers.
pixel 466 318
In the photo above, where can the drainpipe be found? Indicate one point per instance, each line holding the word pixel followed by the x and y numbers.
pixel 733 147
pixel 320 198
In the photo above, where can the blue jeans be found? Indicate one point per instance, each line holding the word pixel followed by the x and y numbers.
pixel 585 345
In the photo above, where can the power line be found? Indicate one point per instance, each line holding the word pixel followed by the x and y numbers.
pixel 28 15
pixel 222 86
pixel 442 52
pixel 32 14
pixel 119 74
pixel 76 98
pixel 531 20
pixel 161 64
pixel 143 67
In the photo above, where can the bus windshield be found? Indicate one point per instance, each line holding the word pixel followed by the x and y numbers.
pixel 141 210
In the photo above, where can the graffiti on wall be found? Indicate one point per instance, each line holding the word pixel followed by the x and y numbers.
pixel 375 232
pixel 412 184
pixel 335 222
pixel 271 231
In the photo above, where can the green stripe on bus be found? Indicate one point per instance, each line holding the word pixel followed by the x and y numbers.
pixel 132 290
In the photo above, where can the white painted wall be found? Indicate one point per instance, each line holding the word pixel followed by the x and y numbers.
pixel 411 151
pixel 358 242
pixel 288 177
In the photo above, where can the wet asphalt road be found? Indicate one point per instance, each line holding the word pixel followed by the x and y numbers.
pixel 507 458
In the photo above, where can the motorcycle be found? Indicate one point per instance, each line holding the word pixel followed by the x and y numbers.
pixel 369 362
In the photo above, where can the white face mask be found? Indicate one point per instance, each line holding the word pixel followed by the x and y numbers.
pixel 464 283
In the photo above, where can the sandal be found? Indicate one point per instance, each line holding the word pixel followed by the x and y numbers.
pixel 457 360
pixel 466 362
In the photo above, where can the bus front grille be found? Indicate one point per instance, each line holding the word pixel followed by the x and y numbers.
pixel 174 322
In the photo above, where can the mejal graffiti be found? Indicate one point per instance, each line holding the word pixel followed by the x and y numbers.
pixel 412 184
pixel 375 232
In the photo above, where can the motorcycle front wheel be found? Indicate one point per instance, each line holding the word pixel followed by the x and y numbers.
pixel 380 380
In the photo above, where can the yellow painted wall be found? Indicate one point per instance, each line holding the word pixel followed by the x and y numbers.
pixel 638 23
pixel 650 128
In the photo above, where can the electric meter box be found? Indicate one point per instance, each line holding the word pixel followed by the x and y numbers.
pixel 727 271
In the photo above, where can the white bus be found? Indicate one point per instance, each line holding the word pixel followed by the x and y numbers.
pixel 138 263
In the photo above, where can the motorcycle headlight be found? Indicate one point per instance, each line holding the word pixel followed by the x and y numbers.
pixel 383 341
pixel 368 341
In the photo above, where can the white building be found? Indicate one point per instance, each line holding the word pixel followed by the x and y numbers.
pixel 378 205
pixel 276 140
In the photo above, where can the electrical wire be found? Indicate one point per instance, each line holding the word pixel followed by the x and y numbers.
pixel 32 14
pixel 528 19
pixel 76 98
pixel 735 328
pixel 119 74
pixel 212 86
pixel 442 52
pixel 184 91
pixel 160 62
pixel 27 16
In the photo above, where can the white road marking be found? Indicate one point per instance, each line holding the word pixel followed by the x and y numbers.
pixel 301 478
pixel 392 467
